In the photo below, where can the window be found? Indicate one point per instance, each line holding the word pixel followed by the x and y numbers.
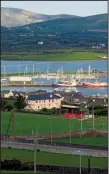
pixel 76 100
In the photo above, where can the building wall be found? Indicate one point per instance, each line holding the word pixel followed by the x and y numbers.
pixel 40 104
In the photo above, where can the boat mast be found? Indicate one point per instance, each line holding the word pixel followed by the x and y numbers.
pixel 33 69
pixel 26 70
pixel 4 71
pixel 89 70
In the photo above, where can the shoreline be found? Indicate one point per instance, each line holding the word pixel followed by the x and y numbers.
pixel 29 60
pixel 52 73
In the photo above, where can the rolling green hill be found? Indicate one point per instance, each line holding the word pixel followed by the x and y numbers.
pixel 58 34
pixel 91 23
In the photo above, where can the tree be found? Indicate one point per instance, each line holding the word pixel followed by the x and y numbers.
pixel 3 104
pixel 20 102
pixel 9 107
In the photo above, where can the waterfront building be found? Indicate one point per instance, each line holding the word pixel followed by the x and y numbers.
pixel 43 100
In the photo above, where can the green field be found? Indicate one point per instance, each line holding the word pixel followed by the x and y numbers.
pixel 95 141
pixel 24 123
pixel 47 158
pixel 66 55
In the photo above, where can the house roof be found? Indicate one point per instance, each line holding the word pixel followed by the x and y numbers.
pixel 18 92
pixel 36 92
pixel 97 101
pixel 43 96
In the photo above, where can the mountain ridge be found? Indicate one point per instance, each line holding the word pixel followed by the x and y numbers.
pixel 13 17
pixel 63 25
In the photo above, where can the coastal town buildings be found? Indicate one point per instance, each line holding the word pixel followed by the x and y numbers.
pixel 43 100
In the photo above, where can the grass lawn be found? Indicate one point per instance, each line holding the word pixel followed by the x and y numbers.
pixel 47 158
pixel 24 123
pixel 95 141
pixel 65 55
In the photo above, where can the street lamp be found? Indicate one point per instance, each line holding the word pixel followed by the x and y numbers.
pixel 93 114
pixel 70 133
pixel 81 116
pixel 51 132
pixel 35 154
pixel 78 153
pixel 35 147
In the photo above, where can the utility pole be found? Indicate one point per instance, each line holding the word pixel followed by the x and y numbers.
pixel 70 134
pixel 51 133
pixel 81 119
pixel 80 163
pixel 93 114
pixel 93 118
pixel 89 165
pixel 81 122
pixel 12 116
pixel 35 146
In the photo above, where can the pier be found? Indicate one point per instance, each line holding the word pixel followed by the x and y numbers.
pixel 34 85
pixel 28 85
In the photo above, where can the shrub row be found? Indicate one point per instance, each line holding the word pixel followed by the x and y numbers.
pixel 16 165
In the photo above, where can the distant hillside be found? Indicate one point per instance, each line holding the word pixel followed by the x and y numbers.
pixel 91 23
pixel 57 34
pixel 12 17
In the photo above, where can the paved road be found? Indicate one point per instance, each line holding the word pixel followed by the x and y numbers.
pixel 62 144
pixel 55 149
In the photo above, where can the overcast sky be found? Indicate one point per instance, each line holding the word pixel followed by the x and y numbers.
pixel 80 8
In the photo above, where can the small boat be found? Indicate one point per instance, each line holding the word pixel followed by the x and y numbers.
pixel 3 79
pixel 60 89
pixel 96 84
pixel 66 84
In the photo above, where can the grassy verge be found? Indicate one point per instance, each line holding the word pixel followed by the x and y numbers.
pixel 47 158
pixel 24 123
pixel 65 55
pixel 95 141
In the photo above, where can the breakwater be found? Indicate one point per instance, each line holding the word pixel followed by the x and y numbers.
pixel 27 85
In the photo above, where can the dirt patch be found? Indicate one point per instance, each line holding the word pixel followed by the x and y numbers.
pixel 92 133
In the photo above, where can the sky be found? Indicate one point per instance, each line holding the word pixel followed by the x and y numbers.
pixel 79 8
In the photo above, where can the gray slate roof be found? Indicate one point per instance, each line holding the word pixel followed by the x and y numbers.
pixel 43 96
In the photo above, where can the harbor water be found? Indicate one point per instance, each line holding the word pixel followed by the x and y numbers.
pixel 8 67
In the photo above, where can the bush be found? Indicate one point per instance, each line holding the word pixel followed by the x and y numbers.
pixel 17 165
pixel 44 111
pixel 38 150
pixel 9 107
